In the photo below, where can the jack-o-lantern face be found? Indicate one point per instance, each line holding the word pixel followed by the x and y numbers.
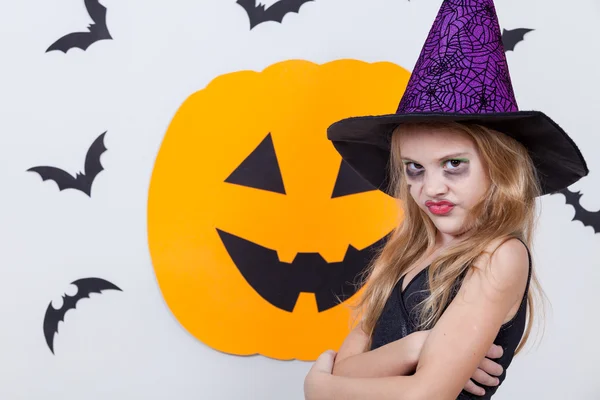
pixel 256 227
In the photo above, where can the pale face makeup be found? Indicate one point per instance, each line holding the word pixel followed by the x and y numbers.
pixel 445 175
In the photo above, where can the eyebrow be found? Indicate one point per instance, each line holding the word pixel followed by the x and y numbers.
pixel 446 157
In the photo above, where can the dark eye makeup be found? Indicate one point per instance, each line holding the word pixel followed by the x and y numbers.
pixel 452 166
pixel 455 166
pixel 413 169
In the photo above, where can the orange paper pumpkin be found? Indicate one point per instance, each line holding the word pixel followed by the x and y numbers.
pixel 256 228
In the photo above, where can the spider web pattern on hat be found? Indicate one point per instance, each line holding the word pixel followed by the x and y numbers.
pixel 462 67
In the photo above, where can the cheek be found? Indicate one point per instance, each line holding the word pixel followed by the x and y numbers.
pixel 414 188
pixel 470 188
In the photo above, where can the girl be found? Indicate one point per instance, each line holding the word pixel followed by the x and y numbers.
pixel 453 279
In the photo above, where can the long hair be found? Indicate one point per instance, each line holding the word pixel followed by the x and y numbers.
pixel 507 210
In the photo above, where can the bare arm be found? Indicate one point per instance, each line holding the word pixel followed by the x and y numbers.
pixel 353 360
pixel 460 339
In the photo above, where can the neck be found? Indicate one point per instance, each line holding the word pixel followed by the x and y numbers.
pixel 443 239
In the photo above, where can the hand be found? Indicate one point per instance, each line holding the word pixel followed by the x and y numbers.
pixel 485 374
pixel 318 376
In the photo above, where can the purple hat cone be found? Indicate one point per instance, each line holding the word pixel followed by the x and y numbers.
pixel 462 67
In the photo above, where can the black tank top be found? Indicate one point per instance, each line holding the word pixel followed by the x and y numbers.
pixel 399 319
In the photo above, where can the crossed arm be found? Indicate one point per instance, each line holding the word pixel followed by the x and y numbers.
pixel 452 351
pixel 400 358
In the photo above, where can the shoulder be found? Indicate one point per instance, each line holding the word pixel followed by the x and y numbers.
pixel 469 325
pixel 504 266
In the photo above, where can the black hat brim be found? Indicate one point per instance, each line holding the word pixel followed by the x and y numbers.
pixel 364 143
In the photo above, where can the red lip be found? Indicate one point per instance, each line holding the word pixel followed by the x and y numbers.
pixel 439 207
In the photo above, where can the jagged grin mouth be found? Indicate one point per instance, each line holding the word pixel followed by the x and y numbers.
pixel 280 283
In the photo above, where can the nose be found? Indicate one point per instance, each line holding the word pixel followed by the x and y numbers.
pixel 434 186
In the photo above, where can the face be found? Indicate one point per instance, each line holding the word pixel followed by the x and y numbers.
pixel 445 174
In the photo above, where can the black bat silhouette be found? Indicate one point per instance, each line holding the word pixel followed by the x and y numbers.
pixel 588 218
pixel 53 316
pixel 82 182
pixel 258 14
pixel 97 31
pixel 510 38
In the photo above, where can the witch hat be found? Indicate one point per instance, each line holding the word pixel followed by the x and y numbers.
pixel 461 75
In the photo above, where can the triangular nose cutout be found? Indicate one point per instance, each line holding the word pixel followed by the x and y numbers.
pixel 349 182
pixel 260 170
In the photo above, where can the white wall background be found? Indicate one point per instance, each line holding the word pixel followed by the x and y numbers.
pixel 129 346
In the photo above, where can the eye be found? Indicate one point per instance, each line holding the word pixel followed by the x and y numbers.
pixel 349 182
pixel 413 167
pixel 260 170
pixel 453 164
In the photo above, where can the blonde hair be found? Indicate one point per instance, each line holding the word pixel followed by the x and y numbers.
pixel 506 211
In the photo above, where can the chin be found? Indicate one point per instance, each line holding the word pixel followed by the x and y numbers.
pixel 448 225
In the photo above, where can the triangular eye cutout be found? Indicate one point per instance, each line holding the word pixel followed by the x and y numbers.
pixel 260 170
pixel 349 182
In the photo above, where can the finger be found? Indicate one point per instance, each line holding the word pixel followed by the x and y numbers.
pixel 491 367
pixel 474 389
pixel 482 378
pixel 495 351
